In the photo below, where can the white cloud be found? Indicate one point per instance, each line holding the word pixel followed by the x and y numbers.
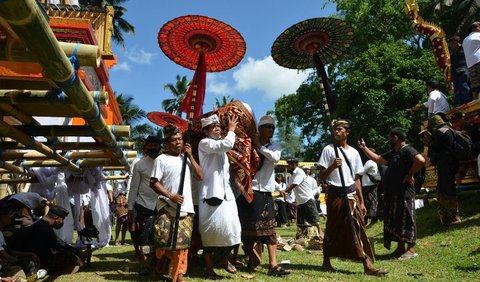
pixel 124 66
pixel 268 77
pixel 217 84
pixel 139 56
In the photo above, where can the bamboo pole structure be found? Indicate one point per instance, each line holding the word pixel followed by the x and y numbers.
pixel 80 163
pixel 13 145
pixel 15 169
pixel 15 50
pixel 69 130
pixel 33 155
pixel 44 97
pixel 29 142
pixel 29 22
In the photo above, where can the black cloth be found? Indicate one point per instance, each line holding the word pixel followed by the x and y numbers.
pixel 307 213
pixel 258 217
pixel 457 60
pixel 441 155
pixel 399 198
pixel 281 216
pixel 399 163
pixel 370 199
pixel 40 239
pixel 145 220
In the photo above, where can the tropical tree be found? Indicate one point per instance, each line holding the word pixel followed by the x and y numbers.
pixel 224 101
pixel 132 114
pixel 120 25
pixel 179 90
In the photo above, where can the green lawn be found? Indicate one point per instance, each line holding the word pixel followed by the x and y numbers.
pixel 446 254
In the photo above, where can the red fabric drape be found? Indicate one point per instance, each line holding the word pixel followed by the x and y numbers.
pixel 193 102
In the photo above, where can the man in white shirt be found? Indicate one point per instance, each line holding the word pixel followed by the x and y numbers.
pixel 165 180
pixel 436 104
pixel 314 185
pixel 142 200
pixel 370 179
pixel 258 217
pixel 219 224
pixel 471 48
pixel 307 213
pixel 345 234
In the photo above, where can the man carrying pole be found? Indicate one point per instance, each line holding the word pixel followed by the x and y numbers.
pixel 165 180
pixel 340 189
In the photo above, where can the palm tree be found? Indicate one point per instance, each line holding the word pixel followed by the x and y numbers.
pixel 120 25
pixel 225 100
pixel 131 112
pixel 179 90
pixel 131 115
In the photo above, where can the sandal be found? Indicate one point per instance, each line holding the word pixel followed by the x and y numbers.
pixel 278 271
pixel 180 278
pixel 376 272
pixel 408 256
pixel 230 268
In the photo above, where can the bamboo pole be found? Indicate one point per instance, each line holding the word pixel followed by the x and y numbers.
pixel 115 177
pixel 28 141
pixel 15 96
pixel 69 130
pixel 16 113
pixel 15 169
pixel 33 155
pixel 80 163
pixel 15 50
pixel 29 22
pixel 13 145
pixel 113 168
pixel 16 180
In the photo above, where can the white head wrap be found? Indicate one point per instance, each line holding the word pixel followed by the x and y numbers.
pixel 209 120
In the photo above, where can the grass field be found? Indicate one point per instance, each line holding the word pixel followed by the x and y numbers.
pixel 446 254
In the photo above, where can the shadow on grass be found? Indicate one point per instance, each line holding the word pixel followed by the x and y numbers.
pixel 428 222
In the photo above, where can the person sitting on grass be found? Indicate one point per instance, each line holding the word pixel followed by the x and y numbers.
pixel 56 256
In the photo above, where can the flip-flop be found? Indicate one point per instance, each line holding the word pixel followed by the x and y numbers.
pixel 230 268
pixel 278 271
pixel 407 256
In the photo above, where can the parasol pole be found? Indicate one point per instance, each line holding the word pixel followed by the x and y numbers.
pixel 184 161
pixel 324 87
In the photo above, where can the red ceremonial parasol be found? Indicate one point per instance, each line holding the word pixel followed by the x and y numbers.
pixel 164 119
pixel 313 43
pixel 202 44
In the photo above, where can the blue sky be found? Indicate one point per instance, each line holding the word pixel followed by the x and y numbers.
pixel 143 69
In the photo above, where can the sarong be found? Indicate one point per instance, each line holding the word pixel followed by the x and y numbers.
pixel 338 240
pixel 243 157
pixel 474 76
pixel 258 225
pixel 370 200
pixel 447 191
pixel 258 217
pixel 163 231
pixel 399 220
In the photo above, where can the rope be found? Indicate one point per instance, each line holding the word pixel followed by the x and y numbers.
pixel 76 66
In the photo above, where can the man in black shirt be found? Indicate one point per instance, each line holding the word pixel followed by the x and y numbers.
pixel 399 193
pixel 441 155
